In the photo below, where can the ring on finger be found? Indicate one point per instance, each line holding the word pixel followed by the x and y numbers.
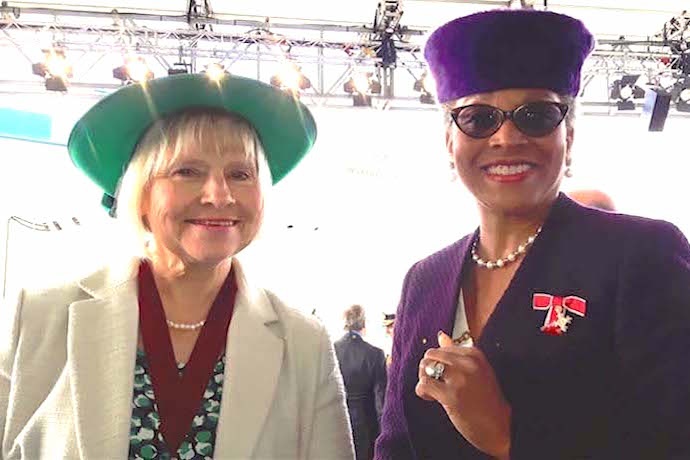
pixel 435 370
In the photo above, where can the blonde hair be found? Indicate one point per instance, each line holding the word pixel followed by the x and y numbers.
pixel 162 144
pixel 355 318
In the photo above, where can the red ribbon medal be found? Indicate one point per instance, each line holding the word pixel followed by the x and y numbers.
pixel 557 320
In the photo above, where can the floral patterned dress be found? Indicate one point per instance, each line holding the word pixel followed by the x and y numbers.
pixel 146 441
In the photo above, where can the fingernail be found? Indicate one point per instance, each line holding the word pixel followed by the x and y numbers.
pixel 439 333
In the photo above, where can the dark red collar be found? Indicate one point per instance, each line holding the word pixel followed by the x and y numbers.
pixel 178 397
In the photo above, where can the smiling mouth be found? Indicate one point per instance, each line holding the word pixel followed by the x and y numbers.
pixel 507 170
pixel 214 223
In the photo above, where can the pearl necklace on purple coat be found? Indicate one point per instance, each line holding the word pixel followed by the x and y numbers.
pixel 503 261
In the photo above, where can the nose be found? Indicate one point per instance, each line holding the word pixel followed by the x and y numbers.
pixel 217 191
pixel 507 135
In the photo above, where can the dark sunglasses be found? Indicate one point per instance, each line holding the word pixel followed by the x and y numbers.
pixel 535 119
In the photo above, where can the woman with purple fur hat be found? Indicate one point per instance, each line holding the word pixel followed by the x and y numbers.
pixel 554 331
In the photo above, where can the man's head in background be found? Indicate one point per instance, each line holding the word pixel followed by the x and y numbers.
pixel 593 199
pixel 355 318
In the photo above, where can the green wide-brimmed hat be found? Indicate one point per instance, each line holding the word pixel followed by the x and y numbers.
pixel 103 141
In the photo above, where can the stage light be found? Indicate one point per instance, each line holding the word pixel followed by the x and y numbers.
pixel 625 90
pixel 362 83
pixel 56 84
pixel 179 68
pixel 135 70
pixel 139 71
pixel 427 98
pixel 57 64
pixel 375 86
pixel 680 93
pixel 427 87
pixel 54 69
pixel 216 72
pixel 290 78
pixel 361 100
pixel 425 84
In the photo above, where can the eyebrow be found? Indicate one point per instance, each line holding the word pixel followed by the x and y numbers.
pixel 181 161
pixel 518 104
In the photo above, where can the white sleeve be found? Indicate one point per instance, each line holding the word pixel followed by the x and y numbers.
pixel 331 435
pixel 9 334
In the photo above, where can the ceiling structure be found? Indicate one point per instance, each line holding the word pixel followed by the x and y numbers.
pixel 257 38
pixel 252 37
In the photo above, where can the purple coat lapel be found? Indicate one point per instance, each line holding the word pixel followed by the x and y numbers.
pixel 441 288
pixel 428 305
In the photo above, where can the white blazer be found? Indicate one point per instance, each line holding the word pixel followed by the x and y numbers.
pixel 67 360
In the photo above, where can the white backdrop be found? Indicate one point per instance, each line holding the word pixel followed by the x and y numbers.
pixel 374 196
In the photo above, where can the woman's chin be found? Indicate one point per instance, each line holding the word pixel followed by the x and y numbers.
pixel 205 258
pixel 211 260
pixel 515 203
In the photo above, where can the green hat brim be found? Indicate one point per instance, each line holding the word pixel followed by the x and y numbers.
pixel 103 141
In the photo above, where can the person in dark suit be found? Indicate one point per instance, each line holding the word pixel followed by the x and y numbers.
pixel 579 318
pixel 364 371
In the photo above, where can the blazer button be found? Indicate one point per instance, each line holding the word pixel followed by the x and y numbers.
pixel 424 340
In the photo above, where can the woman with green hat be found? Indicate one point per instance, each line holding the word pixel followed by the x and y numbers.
pixel 176 353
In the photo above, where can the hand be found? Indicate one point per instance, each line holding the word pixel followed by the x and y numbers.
pixel 470 395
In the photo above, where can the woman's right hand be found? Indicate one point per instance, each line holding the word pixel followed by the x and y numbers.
pixel 470 394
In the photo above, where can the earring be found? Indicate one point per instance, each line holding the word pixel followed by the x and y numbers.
pixel 568 169
pixel 453 173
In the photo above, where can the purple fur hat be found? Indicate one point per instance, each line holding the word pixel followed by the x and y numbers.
pixel 501 49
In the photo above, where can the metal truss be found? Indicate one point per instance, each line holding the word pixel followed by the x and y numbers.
pixel 327 53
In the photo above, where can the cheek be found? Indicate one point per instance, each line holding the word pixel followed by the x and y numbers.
pixel 163 202
pixel 557 147
pixel 463 151
pixel 252 199
pixel 454 142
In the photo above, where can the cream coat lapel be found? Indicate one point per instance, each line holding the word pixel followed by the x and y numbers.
pixel 254 358
pixel 102 340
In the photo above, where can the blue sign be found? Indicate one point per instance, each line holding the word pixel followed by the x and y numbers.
pixel 19 124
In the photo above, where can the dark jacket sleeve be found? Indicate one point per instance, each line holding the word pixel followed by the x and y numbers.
pixel 652 342
pixel 380 380
pixel 393 442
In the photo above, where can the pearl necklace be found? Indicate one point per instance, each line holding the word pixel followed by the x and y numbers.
pixel 502 262
pixel 186 326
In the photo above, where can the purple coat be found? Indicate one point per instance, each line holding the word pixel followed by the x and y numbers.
pixel 616 385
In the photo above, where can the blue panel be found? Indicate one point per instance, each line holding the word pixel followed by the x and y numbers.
pixel 25 125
